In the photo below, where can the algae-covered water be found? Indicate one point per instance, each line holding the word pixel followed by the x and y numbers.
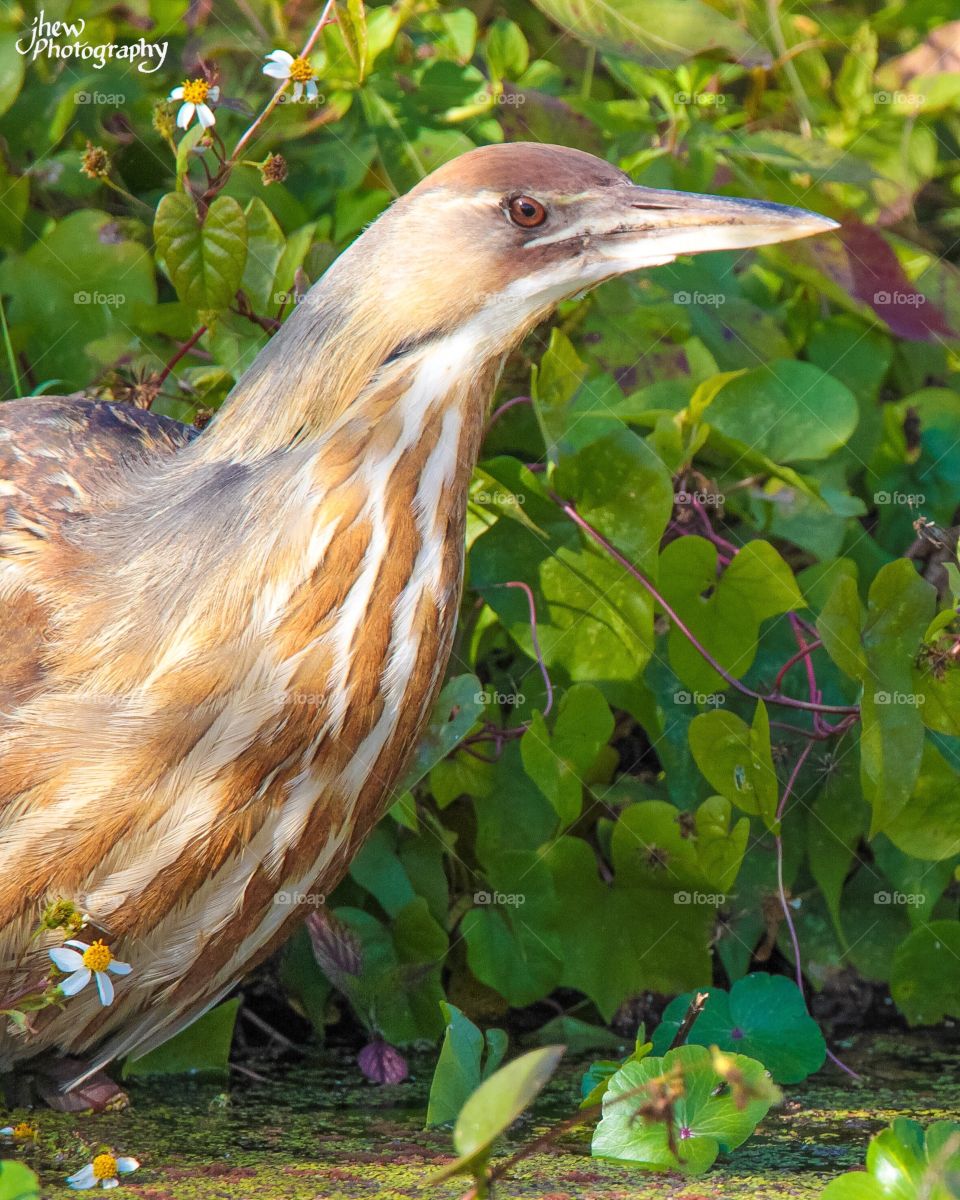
pixel 313 1130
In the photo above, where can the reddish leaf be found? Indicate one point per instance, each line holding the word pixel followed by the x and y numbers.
pixel 866 266
pixel 336 947
pixel 383 1063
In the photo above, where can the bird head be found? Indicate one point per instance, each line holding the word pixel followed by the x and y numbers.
pixel 485 246
pixel 510 230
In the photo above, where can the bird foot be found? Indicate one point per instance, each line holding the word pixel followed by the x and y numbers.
pixel 97 1093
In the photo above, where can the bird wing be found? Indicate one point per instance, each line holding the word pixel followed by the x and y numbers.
pixel 57 453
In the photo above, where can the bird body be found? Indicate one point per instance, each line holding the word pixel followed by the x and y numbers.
pixel 218 651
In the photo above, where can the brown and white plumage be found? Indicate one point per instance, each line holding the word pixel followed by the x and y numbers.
pixel 218 651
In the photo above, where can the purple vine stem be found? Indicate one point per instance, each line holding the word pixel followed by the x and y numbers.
pixel 505 407
pixel 515 583
pixel 773 697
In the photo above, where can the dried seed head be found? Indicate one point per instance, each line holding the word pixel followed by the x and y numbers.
pixel 274 170
pixel 164 118
pixel 95 162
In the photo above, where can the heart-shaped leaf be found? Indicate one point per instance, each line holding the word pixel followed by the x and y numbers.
pixel 205 260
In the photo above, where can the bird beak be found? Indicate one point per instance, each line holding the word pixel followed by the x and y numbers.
pixel 647 227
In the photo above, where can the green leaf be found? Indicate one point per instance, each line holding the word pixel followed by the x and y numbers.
pixel 735 758
pixel 457 710
pixel 495 1105
pixel 458 1071
pixel 926 973
pixel 558 761
pixel 928 826
pixel 351 21
pixel 18 1182
pixel 762 1016
pixel 623 490
pixel 205 261
pixel 724 614
pixel 12 68
pixel 203 1048
pixel 659 33
pixel 506 50
pixel 900 606
pixel 790 411
pixel 839 626
pixel 905 1163
pixel 703 1122
pixel 265 246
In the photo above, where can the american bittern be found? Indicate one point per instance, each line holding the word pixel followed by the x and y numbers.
pixel 217 652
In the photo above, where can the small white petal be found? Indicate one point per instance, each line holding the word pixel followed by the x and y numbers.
pixel 312 89
pixel 214 94
pixel 75 982
pixel 6 1131
pixel 65 960
pixel 185 115
pixel 205 116
pixel 84 1178
pixel 119 968
pixel 81 946
pixel 104 987
pixel 280 56
pixel 176 94
pixel 126 1165
pixel 277 71
pixel 297 91
pixel 111 1183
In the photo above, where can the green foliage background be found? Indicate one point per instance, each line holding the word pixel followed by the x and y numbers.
pixel 755 433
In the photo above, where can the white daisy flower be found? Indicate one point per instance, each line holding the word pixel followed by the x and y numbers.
pixel 281 65
pixel 103 1171
pixel 83 962
pixel 195 93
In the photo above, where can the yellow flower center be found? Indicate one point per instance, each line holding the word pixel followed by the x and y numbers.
pixel 195 91
pixel 301 71
pixel 23 1131
pixel 104 1167
pixel 97 957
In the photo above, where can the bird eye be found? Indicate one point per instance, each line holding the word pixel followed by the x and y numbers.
pixel 526 212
